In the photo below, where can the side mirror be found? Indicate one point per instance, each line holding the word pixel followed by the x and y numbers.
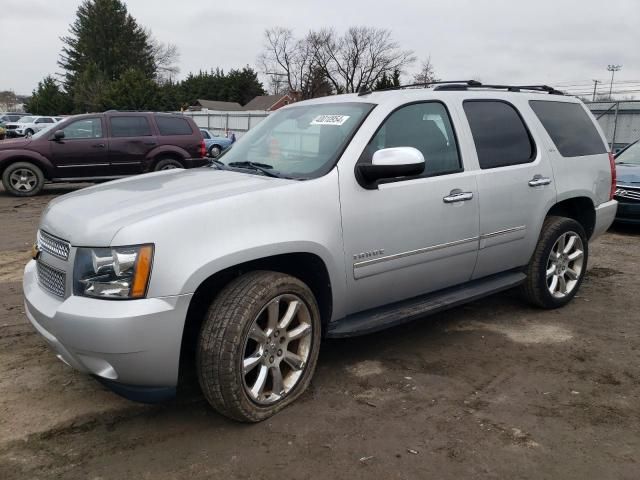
pixel 392 163
pixel 58 135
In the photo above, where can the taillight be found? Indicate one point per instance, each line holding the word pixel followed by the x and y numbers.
pixel 612 164
pixel 203 149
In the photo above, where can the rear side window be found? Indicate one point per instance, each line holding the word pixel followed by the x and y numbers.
pixel 130 127
pixel 499 133
pixel 570 128
pixel 173 126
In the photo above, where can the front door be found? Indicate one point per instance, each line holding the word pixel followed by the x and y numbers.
pixel 83 150
pixel 410 236
pixel 515 183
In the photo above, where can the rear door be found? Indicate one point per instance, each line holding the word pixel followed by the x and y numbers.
pixel 83 150
pixel 131 139
pixel 515 183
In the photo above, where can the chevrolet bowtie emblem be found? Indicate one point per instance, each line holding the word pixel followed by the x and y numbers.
pixel 35 251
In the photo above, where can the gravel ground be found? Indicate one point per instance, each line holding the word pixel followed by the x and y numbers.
pixel 493 389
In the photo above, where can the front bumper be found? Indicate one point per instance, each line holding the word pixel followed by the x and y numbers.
pixel 628 212
pixel 605 214
pixel 131 342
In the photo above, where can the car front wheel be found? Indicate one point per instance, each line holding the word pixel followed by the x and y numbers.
pixel 23 179
pixel 558 264
pixel 258 346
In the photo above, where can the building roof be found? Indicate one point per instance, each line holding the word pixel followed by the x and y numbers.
pixel 218 105
pixel 263 102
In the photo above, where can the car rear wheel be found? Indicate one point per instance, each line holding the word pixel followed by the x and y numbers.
pixel 558 265
pixel 258 346
pixel 23 179
pixel 215 151
pixel 168 164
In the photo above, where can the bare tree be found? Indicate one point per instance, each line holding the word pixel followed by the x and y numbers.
pixel 323 61
pixel 166 57
pixel 359 57
pixel 286 59
pixel 426 74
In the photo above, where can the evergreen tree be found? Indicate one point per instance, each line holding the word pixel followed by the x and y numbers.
pixel 105 34
pixel 133 91
pixel 242 85
pixel 49 99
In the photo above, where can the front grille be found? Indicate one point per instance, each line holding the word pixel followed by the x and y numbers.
pixel 53 245
pixel 11 127
pixel 628 193
pixel 51 280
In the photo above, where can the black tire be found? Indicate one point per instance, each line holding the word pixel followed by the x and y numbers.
pixel 28 133
pixel 215 151
pixel 28 188
pixel 222 344
pixel 167 164
pixel 535 289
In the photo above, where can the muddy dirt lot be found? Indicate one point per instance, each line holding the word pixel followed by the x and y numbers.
pixel 493 389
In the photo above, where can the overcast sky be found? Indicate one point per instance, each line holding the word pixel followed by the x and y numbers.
pixel 559 42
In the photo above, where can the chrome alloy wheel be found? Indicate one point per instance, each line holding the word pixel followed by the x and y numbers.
pixel 565 263
pixel 23 180
pixel 276 349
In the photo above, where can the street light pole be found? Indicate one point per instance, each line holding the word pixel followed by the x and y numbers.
pixel 613 69
pixel 595 87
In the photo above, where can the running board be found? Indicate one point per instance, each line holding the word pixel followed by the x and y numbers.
pixel 379 318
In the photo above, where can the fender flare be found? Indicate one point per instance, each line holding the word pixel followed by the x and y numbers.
pixel 7 157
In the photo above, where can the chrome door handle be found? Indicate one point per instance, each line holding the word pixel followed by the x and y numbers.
pixel 457 196
pixel 539 180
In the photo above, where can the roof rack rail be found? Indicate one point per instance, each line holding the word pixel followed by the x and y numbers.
pixel 467 84
pixel 470 83
pixel 509 88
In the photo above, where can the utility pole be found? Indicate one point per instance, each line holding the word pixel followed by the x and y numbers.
pixel 613 69
pixel 595 87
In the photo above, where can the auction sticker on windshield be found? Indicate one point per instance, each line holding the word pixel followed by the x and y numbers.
pixel 330 120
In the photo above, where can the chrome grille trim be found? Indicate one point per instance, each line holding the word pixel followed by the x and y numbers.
pixel 51 279
pixel 53 245
pixel 632 193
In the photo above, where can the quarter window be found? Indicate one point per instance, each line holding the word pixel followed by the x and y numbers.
pixel 173 126
pixel 426 127
pixel 500 135
pixel 85 128
pixel 570 128
pixel 130 127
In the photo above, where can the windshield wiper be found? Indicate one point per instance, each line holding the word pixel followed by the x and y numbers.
pixel 260 167
pixel 218 164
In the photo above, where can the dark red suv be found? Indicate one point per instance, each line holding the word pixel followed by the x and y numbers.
pixel 98 147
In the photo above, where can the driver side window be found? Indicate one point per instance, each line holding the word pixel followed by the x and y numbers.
pixel 85 128
pixel 426 127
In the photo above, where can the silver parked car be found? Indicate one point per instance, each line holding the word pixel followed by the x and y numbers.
pixel 334 217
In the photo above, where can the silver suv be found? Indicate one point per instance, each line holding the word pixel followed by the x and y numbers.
pixel 334 217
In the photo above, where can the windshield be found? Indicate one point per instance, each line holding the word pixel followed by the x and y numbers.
pixel 299 142
pixel 26 119
pixel 631 155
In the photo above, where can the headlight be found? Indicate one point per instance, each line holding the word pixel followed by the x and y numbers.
pixel 118 272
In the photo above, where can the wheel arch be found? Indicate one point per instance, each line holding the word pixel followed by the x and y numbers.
pixel 40 162
pixel 166 152
pixel 581 209
pixel 308 267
